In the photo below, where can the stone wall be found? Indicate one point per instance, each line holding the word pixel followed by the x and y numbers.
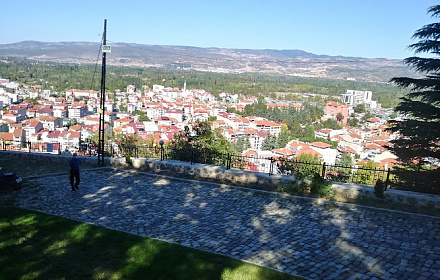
pixel 343 192
pixel 61 159
pixel 346 192
pixel 207 172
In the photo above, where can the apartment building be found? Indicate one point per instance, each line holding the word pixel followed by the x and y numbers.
pixel 356 97
pixel 332 109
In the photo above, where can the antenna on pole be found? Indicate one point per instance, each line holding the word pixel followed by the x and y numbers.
pixel 105 50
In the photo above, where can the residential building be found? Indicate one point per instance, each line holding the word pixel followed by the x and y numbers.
pixel 51 122
pixel 328 154
pixel 332 109
pixel 268 126
pixel 77 111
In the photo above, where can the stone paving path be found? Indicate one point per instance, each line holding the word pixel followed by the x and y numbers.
pixel 311 239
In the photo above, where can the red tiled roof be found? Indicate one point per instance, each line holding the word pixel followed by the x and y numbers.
pixel 54 134
pixel 250 153
pixel 17 132
pixel 75 127
pixel 261 133
pixel 297 144
pixel 308 151
pixel 375 147
pixel 284 151
pixel 320 145
pixel 354 135
pixel 375 120
pixel 124 120
pixel 7 136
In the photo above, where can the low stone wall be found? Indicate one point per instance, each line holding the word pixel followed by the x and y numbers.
pixel 343 192
pixel 61 159
pixel 207 172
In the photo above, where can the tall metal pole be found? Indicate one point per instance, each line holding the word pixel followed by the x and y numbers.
pixel 102 104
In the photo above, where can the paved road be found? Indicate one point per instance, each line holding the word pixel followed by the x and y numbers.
pixel 311 239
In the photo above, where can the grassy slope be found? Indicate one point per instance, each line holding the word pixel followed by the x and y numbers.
pixel 39 246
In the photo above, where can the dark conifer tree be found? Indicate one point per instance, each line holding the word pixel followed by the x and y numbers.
pixel 420 129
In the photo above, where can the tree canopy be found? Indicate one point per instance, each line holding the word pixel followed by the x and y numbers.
pixel 420 130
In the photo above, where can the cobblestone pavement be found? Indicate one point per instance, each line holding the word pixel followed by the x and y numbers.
pixel 312 239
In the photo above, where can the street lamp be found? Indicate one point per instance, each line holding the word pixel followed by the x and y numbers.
pixel 161 150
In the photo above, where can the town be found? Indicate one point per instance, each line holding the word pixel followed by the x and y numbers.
pixel 223 140
pixel 65 123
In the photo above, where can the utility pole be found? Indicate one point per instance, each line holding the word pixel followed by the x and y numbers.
pixel 105 50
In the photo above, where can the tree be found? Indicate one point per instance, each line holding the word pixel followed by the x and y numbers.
pixel 345 160
pixel 353 122
pixel 142 116
pixel 283 139
pixel 269 143
pixel 309 134
pixel 420 130
pixel 367 116
pixel 311 167
pixel 339 117
pixel 365 174
pixel 360 108
pixel 242 144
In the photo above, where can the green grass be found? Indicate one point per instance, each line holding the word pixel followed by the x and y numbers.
pixel 39 246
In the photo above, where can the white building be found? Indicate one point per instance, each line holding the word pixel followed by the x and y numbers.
pixel 158 88
pixel 8 98
pixel 356 97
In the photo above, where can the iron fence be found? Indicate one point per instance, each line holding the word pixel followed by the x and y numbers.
pixel 31 147
pixel 268 165
pixel 396 178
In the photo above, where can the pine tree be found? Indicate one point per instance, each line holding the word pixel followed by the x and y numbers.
pixel 420 130
pixel 269 143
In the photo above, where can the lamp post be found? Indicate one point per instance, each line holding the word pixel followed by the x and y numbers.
pixel 161 150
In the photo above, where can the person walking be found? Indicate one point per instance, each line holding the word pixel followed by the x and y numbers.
pixel 74 171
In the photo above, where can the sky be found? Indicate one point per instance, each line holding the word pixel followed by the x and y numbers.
pixel 356 28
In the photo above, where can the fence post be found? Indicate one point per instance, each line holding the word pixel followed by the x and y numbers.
pixel 228 161
pixel 271 167
pixel 29 146
pixel 323 171
pixel 387 182
pixel 192 155
pixel 161 150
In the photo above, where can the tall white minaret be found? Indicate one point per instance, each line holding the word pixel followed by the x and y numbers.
pixel 184 86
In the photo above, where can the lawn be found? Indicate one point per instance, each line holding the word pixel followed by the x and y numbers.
pixel 40 246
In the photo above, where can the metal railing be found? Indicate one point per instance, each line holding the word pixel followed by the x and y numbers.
pixel 397 178
pixel 268 165
pixel 31 147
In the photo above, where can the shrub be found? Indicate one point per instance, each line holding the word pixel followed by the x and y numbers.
pixel 379 189
pixel 286 188
pixel 320 187
pixel 128 160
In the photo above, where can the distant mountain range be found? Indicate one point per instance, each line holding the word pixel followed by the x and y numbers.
pixel 284 62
